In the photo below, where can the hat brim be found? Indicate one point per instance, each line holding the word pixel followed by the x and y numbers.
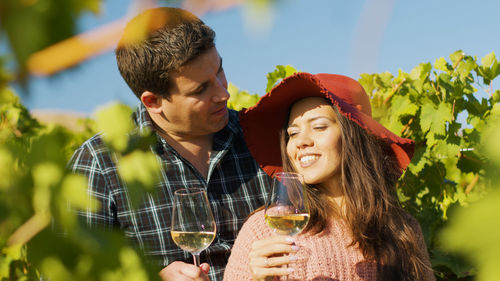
pixel 262 123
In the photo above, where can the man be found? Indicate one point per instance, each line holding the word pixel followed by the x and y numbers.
pixel 176 72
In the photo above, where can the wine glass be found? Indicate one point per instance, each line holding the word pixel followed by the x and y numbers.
pixel 286 212
pixel 193 226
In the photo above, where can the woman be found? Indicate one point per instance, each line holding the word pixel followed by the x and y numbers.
pixel 350 163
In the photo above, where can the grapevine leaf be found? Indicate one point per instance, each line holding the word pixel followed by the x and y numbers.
pixel 489 60
pixel 74 192
pixel 401 106
pixel 7 172
pixel 465 67
pixel 495 98
pixel 240 99
pixel 418 160
pixel 384 80
pixel 419 75
pixel 456 56
pixel 434 119
pixel 45 177
pixel 491 135
pixel 489 68
pixel 455 264
pixel 442 64
pixel 141 167
pixel 475 232
pixel 115 123
pixel 366 81
pixel 278 74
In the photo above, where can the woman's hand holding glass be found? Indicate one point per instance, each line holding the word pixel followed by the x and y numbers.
pixel 270 256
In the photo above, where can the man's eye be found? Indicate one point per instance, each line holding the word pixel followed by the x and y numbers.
pixel 200 90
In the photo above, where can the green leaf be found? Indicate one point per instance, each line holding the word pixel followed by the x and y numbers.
pixel 495 98
pixel 7 172
pixel 384 79
pixel 139 167
pixel 456 57
pixel 491 135
pixel 489 68
pixel 31 26
pixel 366 80
pixel 115 122
pixel 434 118
pixel 401 106
pixel 45 177
pixel 55 269
pixel 240 99
pixel 465 67
pixel 419 75
pixel 278 74
pixel 489 60
pixel 475 233
pixel 419 160
pixel 442 64
pixel 74 190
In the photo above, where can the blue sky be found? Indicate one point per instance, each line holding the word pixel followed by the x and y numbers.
pixel 345 37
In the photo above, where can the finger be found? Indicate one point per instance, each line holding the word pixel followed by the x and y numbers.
pixel 275 239
pixel 180 271
pixel 205 267
pixel 279 261
pixel 193 272
pixel 272 249
pixel 172 272
pixel 263 273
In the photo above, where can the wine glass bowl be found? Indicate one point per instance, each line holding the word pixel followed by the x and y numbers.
pixel 193 226
pixel 286 212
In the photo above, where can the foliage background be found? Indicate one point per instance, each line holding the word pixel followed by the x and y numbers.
pixel 451 186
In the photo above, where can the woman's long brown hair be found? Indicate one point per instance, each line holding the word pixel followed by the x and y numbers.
pixel 384 232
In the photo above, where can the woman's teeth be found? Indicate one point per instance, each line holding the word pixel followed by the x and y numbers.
pixel 304 160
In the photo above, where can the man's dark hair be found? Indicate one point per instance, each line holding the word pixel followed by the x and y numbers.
pixel 157 42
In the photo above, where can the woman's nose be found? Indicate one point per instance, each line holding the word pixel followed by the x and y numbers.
pixel 304 139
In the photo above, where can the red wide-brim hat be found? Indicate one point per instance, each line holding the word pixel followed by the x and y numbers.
pixel 263 122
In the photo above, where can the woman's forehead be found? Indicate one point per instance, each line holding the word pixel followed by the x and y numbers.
pixel 310 105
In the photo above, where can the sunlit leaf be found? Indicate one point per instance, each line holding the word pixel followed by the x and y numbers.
pixel 240 99
pixel 475 232
pixel 278 74
pixel 115 123
pixel 434 118
pixel 442 64
pixel 140 167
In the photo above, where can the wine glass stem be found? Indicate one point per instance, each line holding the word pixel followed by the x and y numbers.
pixel 196 258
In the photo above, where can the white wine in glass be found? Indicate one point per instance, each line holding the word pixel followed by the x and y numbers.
pixel 286 212
pixel 193 226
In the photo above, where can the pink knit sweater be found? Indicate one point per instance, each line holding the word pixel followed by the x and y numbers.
pixel 325 256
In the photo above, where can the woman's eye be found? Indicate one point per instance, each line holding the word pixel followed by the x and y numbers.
pixel 319 127
pixel 292 133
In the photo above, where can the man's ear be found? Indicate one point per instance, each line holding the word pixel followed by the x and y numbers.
pixel 152 101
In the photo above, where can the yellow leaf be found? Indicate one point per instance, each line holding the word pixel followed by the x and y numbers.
pixel 141 167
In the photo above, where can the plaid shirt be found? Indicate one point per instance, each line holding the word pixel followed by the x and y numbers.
pixel 235 186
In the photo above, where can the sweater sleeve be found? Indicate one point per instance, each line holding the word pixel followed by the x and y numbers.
pixel 238 266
